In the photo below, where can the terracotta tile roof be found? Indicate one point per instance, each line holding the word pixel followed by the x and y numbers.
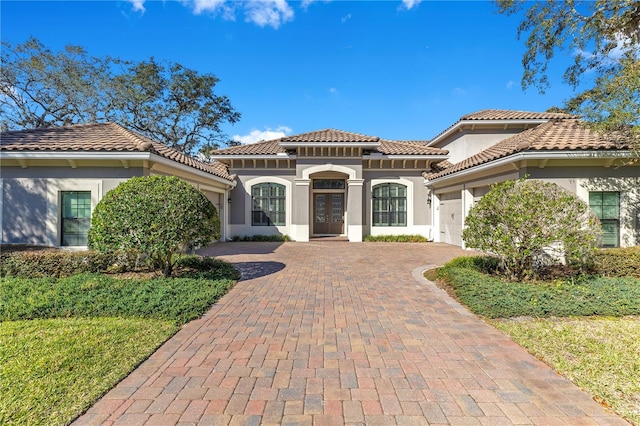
pixel 271 147
pixel 386 147
pixel 554 135
pixel 330 135
pixel 505 114
pixel 99 137
pixel 408 148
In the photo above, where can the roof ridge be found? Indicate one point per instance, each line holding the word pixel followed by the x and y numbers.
pixel 141 142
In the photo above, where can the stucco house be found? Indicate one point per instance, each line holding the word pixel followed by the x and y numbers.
pixel 330 183
pixel 495 145
pixel 323 183
pixel 336 183
pixel 52 178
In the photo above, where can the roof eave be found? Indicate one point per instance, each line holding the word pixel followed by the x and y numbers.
pixel 405 156
pixel 101 155
pixel 532 155
pixel 363 145
pixel 278 156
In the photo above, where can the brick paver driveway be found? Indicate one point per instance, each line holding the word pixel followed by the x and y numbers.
pixel 336 332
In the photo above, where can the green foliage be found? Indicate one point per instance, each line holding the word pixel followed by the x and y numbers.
pixel 166 102
pixel 53 263
pixel 396 238
pixel 618 262
pixel 93 295
pixel 52 370
pixel 157 216
pixel 585 296
pixel 262 238
pixel 603 38
pixel 528 224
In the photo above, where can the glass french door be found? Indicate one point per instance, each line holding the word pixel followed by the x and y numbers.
pixel 328 214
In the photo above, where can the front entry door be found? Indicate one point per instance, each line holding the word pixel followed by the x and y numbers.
pixel 328 214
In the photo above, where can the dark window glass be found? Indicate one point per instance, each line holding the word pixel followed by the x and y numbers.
pixel 76 217
pixel 328 184
pixel 389 205
pixel 606 205
pixel 269 206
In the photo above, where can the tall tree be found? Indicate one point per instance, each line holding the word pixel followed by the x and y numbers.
pixel 603 36
pixel 166 102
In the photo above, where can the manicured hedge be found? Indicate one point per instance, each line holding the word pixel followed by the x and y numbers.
pixel 53 263
pixel 618 262
pixel 396 238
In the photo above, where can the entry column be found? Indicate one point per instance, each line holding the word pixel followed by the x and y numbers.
pixel 354 209
pixel 300 214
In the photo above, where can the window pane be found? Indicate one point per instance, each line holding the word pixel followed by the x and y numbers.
pixel 595 198
pixel 610 198
pixel 610 233
pixel 76 217
pixel 268 204
pixel 610 212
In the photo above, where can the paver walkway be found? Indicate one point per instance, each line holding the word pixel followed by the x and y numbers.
pixel 337 332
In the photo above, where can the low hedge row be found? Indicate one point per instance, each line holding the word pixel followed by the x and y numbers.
pixel 53 263
pixel 262 238
pixel 618 262
pixel 62 263
pixel 396 238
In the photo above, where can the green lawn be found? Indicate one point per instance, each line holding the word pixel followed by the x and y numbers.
pixel 51 370
pixel 586 328
pixel 64 342
pixel 601 355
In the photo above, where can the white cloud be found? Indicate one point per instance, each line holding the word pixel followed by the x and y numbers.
pixel 138 5
pixel 204 6
pixel 510 84
pixel 458 91
pixel 272 13
pixel 345 18
pixel 263 135
pixel 410 4
pixel 333 91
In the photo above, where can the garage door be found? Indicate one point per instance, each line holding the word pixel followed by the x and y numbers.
pixel 451 218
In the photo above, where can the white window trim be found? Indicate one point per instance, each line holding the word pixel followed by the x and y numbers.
pixel 393 230
pixel 54 203
pixel 249 201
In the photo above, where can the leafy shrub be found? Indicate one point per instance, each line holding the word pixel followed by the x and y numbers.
pixel 396 238
pixel 485 264
pixel 262 238
pixel 157 216
pixel 618 262
pixel 206 267
pixel 53 263
pixel 496 298
pixel 529 224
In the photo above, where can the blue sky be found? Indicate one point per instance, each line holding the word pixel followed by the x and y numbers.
pixel 393 69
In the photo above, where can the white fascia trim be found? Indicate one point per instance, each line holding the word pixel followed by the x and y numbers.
pixel 73 155
pixel 278 156
pixel 463 123
pixel 330 144
pixel 165 161
pixel 544 155
pixel 404 157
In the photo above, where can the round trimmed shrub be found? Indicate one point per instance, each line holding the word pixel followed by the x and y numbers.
pixel 529 224
pixel 157 216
